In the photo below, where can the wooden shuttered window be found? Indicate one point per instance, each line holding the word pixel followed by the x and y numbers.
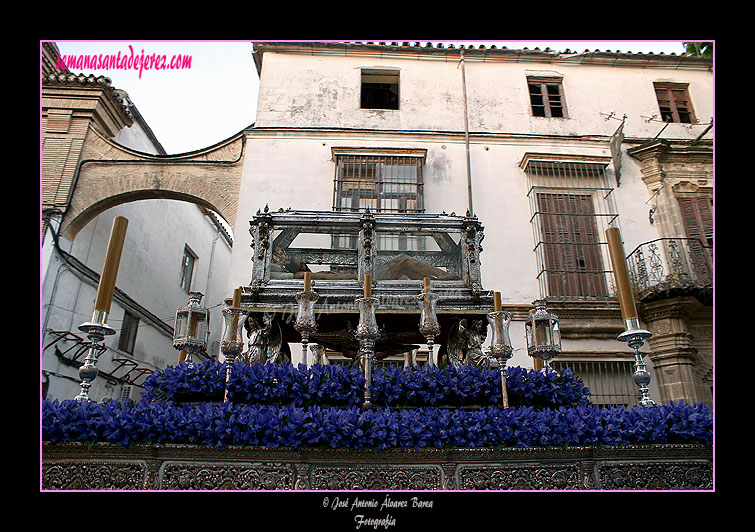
pixel 674 104
pixel 571 245
pixel 697 216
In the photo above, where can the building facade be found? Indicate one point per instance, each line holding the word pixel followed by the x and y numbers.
pixel 546 149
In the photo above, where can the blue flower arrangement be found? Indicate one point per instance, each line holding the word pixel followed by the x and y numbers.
pixel 224 424
pixel 334 385
pixel 279 405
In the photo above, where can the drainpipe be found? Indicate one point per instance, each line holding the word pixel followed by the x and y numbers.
pixel 211 265
pixel 212 257
pixel 466 133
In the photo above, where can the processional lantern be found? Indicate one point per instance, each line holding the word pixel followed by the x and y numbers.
pixel 192 327
pixel 542 334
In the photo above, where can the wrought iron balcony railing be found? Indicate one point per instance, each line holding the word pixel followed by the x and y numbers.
pixel 667 265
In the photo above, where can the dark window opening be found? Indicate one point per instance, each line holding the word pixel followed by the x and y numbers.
pixel 187 268
pixel 127 339
pixel 546 99
pixel 380 90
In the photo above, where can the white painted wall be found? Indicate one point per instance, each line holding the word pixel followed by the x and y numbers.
pixel 323 91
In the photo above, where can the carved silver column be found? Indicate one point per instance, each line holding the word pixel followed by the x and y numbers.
pixel 500 346
pixel 96 330
pixel 428 320
pixel 305 318
pixel 367 333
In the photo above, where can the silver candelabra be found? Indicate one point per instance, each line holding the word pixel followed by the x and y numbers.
pixel 428 321
pixel 305 319
pixel 232 341
pixel 500 346
pixel 635 338
pixel 96 330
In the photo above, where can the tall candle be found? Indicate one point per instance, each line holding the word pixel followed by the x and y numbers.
pixel 307 281
pixel 112 262
pixel 620 274
pixel 367 285
pixel 234 316
pixel 426 284
pixel 497 301
pixel 537 364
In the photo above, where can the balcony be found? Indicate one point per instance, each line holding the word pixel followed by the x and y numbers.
pixel 669 267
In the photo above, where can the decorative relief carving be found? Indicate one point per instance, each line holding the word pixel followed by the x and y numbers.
pixel 87 475
pixel 209 476
pixel 383 477
pixel 521 477
pixel 656 476
pixel 186 467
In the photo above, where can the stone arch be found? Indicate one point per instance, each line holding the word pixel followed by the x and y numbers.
pixel 109 174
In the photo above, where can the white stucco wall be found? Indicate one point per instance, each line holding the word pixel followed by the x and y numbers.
pixel 324 91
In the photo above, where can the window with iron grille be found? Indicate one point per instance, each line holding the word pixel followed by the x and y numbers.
pixel 546 97
pixel 382 183
pixel 674 103
pixel 610 381
pixel 571 204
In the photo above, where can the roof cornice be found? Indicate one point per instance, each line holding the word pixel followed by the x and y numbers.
pixel 418 50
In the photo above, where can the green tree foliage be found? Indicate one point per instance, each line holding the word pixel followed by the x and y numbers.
pixel 699 49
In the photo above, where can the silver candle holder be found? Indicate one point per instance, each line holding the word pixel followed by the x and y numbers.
pixel 232 342
pixel 500 346
pixel 96 330
pixel 635 338
pixel 633 335
pixel 367 333
pixel 305 322
pixel 428 321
